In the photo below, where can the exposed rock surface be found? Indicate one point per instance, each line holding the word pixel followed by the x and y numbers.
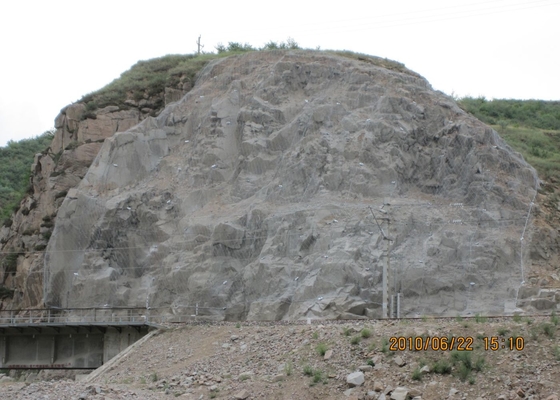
pixel 250 197
pixel 79 135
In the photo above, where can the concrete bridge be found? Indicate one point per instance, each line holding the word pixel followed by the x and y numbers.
pixel 69 338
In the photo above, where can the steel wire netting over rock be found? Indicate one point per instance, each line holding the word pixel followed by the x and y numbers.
pixel 299 189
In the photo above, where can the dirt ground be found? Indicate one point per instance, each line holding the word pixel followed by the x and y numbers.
pixel 313 361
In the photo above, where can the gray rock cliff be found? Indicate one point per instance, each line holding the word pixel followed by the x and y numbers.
pixel 251 197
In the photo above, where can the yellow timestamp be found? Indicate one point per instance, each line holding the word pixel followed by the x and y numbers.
pixel 495 343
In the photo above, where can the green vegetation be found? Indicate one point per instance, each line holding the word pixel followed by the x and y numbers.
pixel 517 318
pixel 530 113
pixel 355 340
pixel 366 333
pixel 502 331
pixel 416 374
pixel 307 370
pixel 149 78
pixel 531 127
pixel 288 368
pixel 442 366
pixel 15 162
pixel 321 349
pixel 385 345
pixel 6 292
pixel 480 319
pixel 317 376
pixel 557 353
pixel 346 331
pixel 315 335
pixel 548 329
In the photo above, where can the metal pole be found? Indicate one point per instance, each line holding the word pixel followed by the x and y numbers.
pixel 398 305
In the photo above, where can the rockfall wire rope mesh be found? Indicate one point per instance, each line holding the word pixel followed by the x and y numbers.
pixel 455 220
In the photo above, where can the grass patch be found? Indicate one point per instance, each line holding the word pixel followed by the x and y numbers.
pixel 355 340
pixel 385 345
pixel 307 370
pixel 366 333
pixel 556 353
pixel 346 331
pixel 154 377
pixel 517 318
pixel 417 374
pixel 548 329
pixel 480 319
pixel 321 349
pixel 502 331
pixel 317 376
pixel 442 367
pixel 288 368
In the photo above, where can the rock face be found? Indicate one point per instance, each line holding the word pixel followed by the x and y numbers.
pixel 54 174
pixel 251 198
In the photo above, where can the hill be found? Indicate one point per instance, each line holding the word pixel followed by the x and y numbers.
pixel 261 168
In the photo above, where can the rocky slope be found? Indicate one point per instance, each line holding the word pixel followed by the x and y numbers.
pixel 251 197
pixel 80 132
pixel 351 361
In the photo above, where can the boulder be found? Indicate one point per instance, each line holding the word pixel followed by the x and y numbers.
pixel 355 379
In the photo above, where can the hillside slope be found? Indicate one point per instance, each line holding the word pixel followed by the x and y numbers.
pixel 251 197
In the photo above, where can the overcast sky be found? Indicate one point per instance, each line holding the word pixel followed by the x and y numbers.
pixel 53 52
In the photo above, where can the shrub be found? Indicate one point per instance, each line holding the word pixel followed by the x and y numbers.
pixel 548 329
pixel 479 364
pixel 40 247
pixel 346 331
pixel 154 377
pixel 315 335
pixel 442 367
pixel 28 232
pixel 416 374
pixel 384 345
pixel 321 349
pixel 517 318
pixel 557 353
pixel 288 368
pixel 10 260
pixel 366 333
pixel 355 340
pixel 370 362
pixel 502 331
pixel 317 376
pixel 307 370
pixel 6 292
pixel 463 372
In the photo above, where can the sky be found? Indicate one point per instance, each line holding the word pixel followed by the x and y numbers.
pixel 54 52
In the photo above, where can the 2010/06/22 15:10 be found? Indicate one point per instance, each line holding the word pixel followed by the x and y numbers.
pixel 496 343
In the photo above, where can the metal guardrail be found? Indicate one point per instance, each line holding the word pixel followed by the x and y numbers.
pixel 118 316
